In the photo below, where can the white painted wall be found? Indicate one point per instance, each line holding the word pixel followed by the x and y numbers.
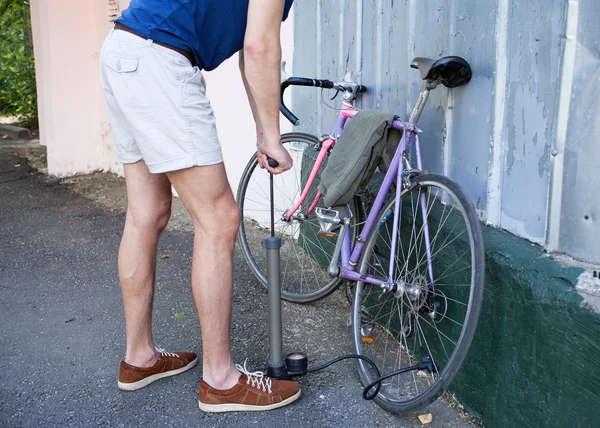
pixel 235 124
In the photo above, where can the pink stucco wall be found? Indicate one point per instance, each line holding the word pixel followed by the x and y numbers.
pixel 68 36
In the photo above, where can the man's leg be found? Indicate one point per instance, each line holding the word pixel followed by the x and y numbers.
pixel 208 198
pixel 148 212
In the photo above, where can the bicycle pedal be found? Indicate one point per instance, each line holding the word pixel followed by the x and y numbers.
pixel 328 220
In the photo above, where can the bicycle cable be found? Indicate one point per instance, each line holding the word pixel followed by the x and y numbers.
pixel 325 102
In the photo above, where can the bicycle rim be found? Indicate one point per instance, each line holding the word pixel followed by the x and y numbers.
pixel 305 255
pixel 422 316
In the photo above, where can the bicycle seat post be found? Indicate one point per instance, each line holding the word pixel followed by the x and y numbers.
pixel 421 101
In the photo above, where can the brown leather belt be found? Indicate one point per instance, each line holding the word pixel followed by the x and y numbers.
pixel 187 54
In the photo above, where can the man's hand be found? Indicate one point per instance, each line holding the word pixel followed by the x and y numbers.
pixel 260 64
pixel 275 151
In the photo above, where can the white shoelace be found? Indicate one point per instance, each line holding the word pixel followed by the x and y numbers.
pixel 258 379
pixel 164 353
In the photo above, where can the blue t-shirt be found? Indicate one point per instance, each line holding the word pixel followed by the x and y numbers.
pixel 212 30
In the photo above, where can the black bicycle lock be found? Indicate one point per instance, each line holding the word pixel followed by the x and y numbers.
pixel 296 363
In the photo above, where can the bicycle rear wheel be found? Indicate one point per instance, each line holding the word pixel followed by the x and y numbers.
pixel 305 255
pixel 435 305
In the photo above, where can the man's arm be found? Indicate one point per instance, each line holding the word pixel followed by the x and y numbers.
pixel 260 67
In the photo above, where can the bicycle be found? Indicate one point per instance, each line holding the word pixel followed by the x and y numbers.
pixel 418 290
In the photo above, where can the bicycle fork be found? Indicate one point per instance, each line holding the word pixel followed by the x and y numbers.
pixel 404 176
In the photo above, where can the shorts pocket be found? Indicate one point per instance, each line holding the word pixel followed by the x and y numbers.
pixel 194 78
pixel 193 90
pixel 120 64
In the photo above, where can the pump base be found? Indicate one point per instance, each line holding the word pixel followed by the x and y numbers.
pixel 278 371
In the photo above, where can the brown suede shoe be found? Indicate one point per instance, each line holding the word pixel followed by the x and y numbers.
pixel 253 393
pixel 168 364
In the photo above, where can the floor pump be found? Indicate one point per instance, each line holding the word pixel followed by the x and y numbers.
pixel 295 363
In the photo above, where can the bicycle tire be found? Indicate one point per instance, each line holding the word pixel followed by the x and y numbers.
pixel 401 321
pixel 302 254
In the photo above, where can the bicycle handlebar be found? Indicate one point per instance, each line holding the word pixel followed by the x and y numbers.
pixel 319 83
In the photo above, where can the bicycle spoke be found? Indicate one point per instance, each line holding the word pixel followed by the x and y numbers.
pixel 431 355
pixel 452 285
pixel 456 271
pixel 432 326
pixel 410 363
pixel 435 293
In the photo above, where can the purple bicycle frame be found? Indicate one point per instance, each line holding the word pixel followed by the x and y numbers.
pixel 350 256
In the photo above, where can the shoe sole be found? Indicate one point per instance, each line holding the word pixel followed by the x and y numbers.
pixel 147 381
pixel 219 408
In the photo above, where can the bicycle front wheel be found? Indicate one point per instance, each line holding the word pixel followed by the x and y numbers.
pixel 436 298
pixel 305 255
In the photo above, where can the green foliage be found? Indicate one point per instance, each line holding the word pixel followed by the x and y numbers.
pixel 18 95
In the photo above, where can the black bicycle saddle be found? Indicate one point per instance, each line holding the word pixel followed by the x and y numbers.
pixel 450 71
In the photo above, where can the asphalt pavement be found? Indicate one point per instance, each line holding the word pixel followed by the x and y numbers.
pixel 62 325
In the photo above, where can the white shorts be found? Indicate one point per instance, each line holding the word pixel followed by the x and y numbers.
pixel 157 105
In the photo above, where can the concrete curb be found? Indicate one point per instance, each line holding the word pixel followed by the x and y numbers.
pixel 14 132
pixel 535 354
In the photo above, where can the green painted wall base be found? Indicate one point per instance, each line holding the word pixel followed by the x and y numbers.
pixel 535 359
